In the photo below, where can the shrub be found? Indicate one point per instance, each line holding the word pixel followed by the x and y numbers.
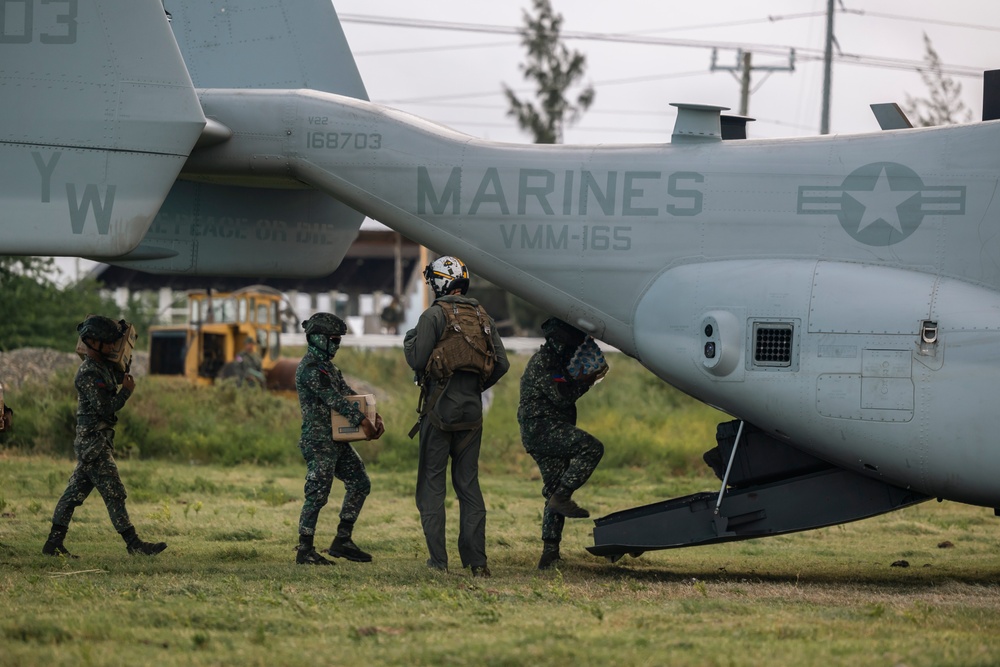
pixel 642 421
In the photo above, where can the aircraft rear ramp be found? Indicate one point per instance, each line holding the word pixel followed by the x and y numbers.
pixel 758 502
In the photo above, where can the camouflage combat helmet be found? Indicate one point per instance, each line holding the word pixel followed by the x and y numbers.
pixel 100 328
pixel 325 324
pixel 562 332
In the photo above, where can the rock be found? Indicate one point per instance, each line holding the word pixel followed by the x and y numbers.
pixel 39 363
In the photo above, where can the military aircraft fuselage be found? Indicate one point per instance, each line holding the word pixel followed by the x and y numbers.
pixel 840 293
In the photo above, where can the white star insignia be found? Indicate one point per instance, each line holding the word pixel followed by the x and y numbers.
pixel 881 203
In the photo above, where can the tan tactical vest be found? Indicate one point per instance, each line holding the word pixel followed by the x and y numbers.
pixel 466 344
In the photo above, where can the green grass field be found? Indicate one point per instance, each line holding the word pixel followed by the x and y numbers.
pixel 216 473
pixel 227 590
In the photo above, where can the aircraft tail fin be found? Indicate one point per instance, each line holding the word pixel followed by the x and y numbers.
pixel 237 228
pixel 266 44
pixel 99 115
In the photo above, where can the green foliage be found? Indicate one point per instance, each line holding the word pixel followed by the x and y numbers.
pixel 554 70
pixel 45 420
pixel 641 420
pixel 40 313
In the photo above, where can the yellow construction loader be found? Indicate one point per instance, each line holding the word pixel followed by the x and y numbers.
pixel 208 347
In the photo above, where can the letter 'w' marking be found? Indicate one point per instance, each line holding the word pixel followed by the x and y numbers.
pixel 91 200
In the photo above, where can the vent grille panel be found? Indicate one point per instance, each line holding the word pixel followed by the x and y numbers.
pixel 773 344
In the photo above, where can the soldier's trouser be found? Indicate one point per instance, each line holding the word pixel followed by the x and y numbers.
pixel 436 446
pixel 566 457
pixel 324 462
pixel 101 473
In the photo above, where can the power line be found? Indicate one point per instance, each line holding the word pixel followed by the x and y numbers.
pixel 732 24
pixel 611 82
pixel 802 53
pixel 493 107
pixel 428 49
pixel 426 24
pixel 897 17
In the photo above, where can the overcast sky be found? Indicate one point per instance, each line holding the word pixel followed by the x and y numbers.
pixel 454 77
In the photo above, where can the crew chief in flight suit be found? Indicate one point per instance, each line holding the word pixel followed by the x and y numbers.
pixel 460 403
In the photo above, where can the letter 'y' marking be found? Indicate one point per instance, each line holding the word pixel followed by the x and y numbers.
pixel 45 171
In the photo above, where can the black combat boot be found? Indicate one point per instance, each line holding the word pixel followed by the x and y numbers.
pixel 137 546
pixel 481 571
pixel 54 544
pixel 344 547
pixel 550 555
pixel 560 502
pixel 306 553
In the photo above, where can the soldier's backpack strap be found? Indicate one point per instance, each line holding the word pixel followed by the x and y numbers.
pixel 427 400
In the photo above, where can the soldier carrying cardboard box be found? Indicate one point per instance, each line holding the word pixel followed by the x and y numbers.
pixel 106 348
pixel 322 391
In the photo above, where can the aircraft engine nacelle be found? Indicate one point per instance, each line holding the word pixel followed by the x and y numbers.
pixel 868 367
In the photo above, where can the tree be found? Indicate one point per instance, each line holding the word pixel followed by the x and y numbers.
pixel 944 105
pixel 554 69
pixel 39 313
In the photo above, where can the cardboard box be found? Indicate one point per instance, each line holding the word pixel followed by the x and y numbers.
pixel 121 354
pixel 342 429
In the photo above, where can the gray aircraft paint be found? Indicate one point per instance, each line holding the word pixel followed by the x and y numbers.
pixel 876 256
pixel 685 230
pixel 232 229
pixel 87 151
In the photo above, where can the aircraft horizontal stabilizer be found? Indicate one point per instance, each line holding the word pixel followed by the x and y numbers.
pixel 242 226
pixel 98 119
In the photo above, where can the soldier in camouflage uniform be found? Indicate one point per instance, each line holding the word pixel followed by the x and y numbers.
pixel 99 400
pixel 6 415
pixel 250 366
pixel 566 455
pixel 321 388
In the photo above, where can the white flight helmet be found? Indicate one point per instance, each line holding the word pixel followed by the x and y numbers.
pixel 446 274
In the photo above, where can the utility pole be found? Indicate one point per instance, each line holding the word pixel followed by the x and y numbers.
pixel 745 84
pixel 824 125
pixel 744 66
